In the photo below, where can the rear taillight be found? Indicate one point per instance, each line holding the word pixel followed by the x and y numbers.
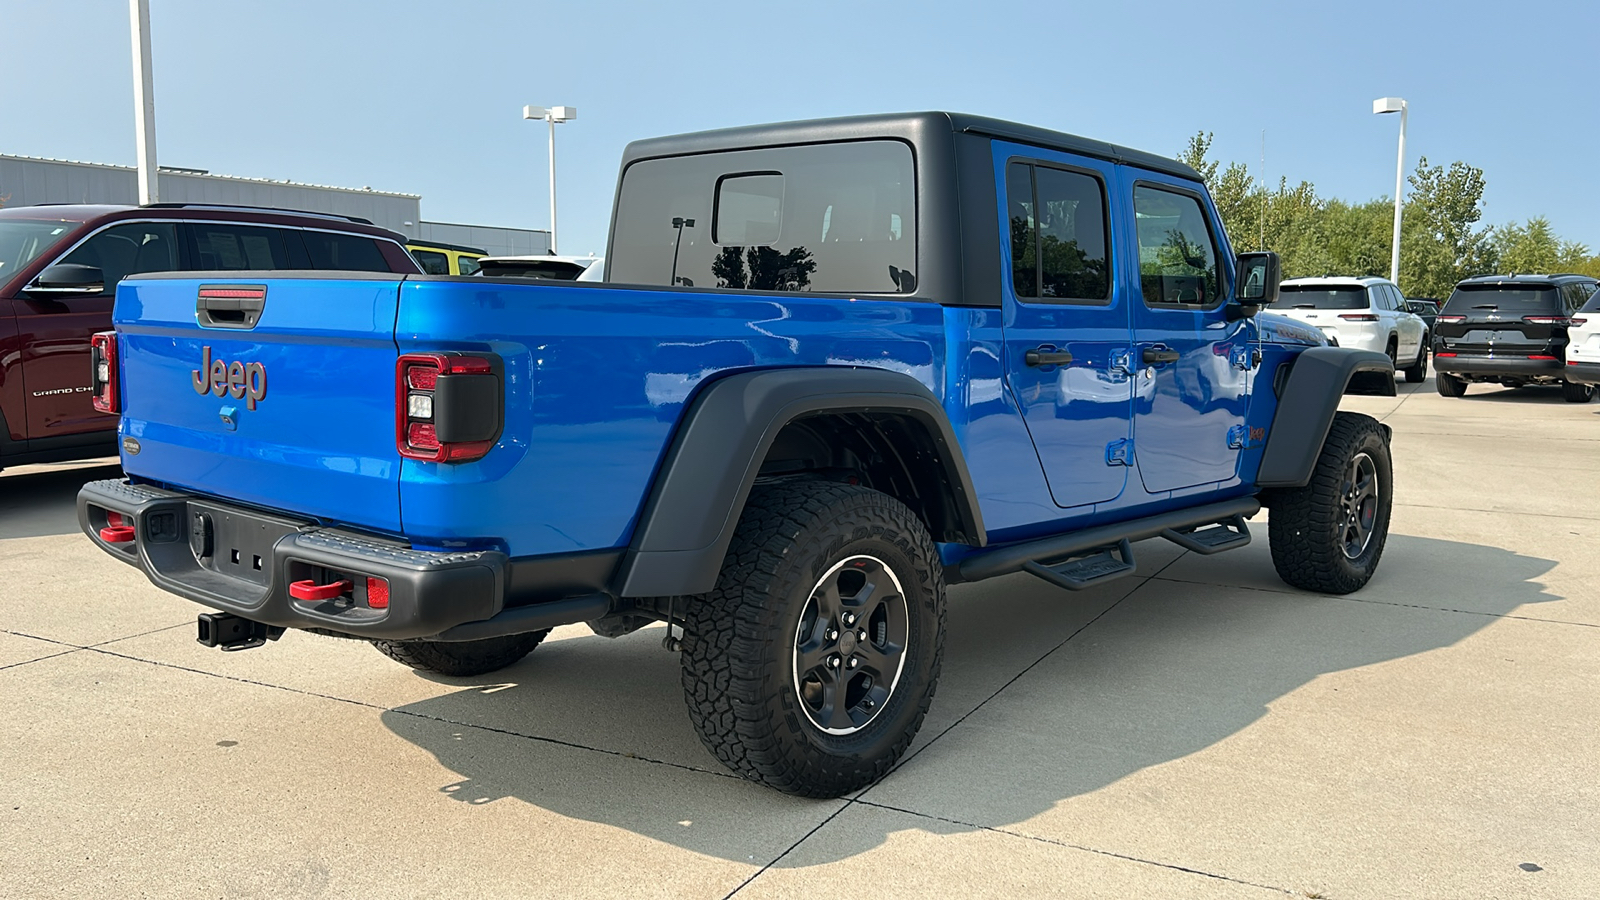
pixel 1577 320
pixel 1547 320
pixel 1542 356
pixel 1450 320
pixel 103 372
pixel 1358 317
pixel 448 407
pixel 1437 355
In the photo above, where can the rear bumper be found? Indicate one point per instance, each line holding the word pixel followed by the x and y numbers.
pixel 207 552
pixel 1498 366
pixel 1583 372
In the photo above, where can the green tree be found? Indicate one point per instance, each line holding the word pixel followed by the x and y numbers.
pixel 1440 243
pixel 1534 247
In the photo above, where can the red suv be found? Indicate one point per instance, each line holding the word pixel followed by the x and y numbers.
pixel 59 268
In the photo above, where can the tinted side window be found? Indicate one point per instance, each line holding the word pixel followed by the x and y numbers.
pixel 1024 247
pixel 1177 257
pixel 827 217
pixel 1072 235
pixel 123 250
pixel 345 252
pixel 467 264
pixel 221 247
pixel 432 262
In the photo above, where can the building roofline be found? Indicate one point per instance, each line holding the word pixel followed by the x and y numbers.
pixel 173 174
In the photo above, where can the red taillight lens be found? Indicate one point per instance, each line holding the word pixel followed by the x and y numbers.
pixel 1437 355
pixel 1358 317
pixel 1578 320
pixel 103 372
pixel 1547 320
pixel 1544 356
pixel 377 593
pixel 1450 320
pixel 425 390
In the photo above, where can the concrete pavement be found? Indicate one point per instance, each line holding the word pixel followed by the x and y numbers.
pixel 1200 731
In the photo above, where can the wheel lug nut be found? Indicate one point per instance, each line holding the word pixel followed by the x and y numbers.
pixel 852 663
pixel 833 662
pixel 832 634
pixel 849 618
pixel 861 635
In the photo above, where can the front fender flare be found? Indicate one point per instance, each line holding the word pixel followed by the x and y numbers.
pixel 700 490
pixel 1306 403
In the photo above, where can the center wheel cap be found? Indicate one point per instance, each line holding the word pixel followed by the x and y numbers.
pixel 847 643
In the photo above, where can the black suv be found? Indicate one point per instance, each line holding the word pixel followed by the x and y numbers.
pixel 1510 330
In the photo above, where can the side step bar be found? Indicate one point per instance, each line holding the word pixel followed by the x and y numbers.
pixel 1097 555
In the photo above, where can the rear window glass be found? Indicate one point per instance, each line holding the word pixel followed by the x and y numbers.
pixel 345 252
pixel 1292 296
pixel 1513 298
pixel 827 217
pixel 468 264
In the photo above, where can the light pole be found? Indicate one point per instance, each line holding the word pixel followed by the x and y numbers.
pixel 552 115
pixel 1388 105
pixel 144 102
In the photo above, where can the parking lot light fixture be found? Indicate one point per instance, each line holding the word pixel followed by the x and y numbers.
pixel 551 114
pixel 1379 107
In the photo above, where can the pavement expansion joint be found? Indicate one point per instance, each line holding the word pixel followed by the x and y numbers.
pixel 1500 512
pixel 1354 599
pixel 791 848
pixel 1071 846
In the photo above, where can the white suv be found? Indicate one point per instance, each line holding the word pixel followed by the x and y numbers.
pixel 1366 313
pixel 1583 339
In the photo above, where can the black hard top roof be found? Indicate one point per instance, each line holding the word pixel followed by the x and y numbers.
pixel 915 127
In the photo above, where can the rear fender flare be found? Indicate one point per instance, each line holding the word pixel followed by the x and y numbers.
pixel 1307 402
pixel 699 492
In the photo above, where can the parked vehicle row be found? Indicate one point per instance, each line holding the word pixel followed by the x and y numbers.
pixel 834 367
pixel 1367 313
pixel 1512 330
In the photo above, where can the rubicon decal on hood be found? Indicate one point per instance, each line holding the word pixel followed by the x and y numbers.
pixel 237 379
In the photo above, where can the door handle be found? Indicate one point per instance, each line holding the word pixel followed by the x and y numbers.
pixel 1158 354
pixel 1047 356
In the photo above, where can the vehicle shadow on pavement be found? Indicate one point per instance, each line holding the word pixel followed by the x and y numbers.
pixel 41 502
pixel 1169 670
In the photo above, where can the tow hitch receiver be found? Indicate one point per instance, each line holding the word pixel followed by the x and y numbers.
pixel 231 632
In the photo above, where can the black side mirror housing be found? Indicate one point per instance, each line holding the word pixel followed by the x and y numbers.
pixel 1256 278
pixel 66 279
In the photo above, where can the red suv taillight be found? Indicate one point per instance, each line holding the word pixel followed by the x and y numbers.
pixel 1449 320
pixel 448 406
pixel 1358 317
pixel 103 372
pixel 1547 320
pixel 1575 321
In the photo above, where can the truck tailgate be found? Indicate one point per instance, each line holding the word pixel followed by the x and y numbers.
pixel 294 413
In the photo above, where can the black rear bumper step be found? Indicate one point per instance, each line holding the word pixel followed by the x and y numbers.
pixel 1183 523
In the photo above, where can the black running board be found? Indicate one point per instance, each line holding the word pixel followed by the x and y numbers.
pixel 1185 527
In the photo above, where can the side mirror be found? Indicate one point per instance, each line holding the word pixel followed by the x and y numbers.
pixel 68 279
pixel 1257 276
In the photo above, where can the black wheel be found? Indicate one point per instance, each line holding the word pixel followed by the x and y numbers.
pixel 810 666
pixel 1575 392
pixel 1328 536
pixel 1417 372
pixel 1393 352
pixel 1449 385
pixel 462 658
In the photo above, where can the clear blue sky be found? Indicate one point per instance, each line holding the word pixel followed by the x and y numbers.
pixel 426 97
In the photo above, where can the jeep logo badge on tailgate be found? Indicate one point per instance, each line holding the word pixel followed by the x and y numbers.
pixel 236 378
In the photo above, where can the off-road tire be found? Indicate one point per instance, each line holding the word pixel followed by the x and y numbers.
pixel 1449 385
pixel 740 670
pixel 1576 392
pixel 1417 372
pixel 462 659
pixel 1306 527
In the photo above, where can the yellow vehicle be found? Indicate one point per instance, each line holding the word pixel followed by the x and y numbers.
pixel 438 258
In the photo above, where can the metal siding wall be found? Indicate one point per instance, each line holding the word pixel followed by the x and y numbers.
pixel 494 240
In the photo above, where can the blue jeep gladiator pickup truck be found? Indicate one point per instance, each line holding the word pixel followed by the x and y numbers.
pixel 834 366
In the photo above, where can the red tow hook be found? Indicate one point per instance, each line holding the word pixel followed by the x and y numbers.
pixel 310 590
pixel 117 530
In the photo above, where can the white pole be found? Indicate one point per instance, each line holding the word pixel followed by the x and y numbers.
pixel 1399 184
pixel 550 117
pixel 144 102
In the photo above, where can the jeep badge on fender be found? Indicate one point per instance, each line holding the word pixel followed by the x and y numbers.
pixel 236 378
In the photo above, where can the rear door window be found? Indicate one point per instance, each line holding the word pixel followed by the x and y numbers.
pixel 1177 254
pixel 432 262
pixel 344 252
pixel 236 247
pixel 1058 234
pixel 128 249
pixel 835 217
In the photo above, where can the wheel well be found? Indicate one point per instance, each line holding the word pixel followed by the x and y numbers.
pixel 886 451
